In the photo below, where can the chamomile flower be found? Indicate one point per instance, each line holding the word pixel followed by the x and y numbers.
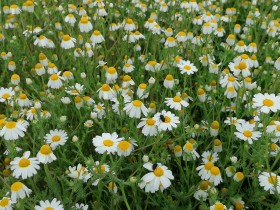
pixel 186 67
pixel 47 205
pixel 97 37
pixel 55 81
pixel 215 176
pixel 218 205
pixel 176 103
pixel 158 178
pixel 189 152
pixel 85 25
pixel 79 172
pixel 142 91
pixel 24 166
pixel 165 120
pixel 111 75
pixel 13 130
pixel 56 138
pixel 246 132
pixel 270 182
pixel 135 108
pixel 169 82
pixel 149 126
pixel 99 169
pixel 204 170
pixel 106 143
pixel 80 206
pixel 274 128
pixel 6 94
pixel 106 92
pixel 19 190
pixel 266 102
pixel 209 156
pixel 125 147
pixel 67 42
pixel 99 110
pixel 45 155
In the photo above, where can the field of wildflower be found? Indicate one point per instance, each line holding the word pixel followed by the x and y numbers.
pixel 130 104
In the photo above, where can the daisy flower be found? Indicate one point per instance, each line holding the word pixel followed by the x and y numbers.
pixel 218 205
pixel 158 178
pixel 186 67
pixel 99 110
pixel 45 155
pixel 80 206
pixel 19 190
pixel 85 25
pixel 13 130
pixel 6 94
pixel 135 108
pixel 97 37
pixel 125 147
pixel 176 103
pixel 67 42
pixel 79 172
pixel 99 169
pixel 189 152
pixel 204 170
pixel 6 204
pixel 169 81
pixel 149 126
pixel 24 166
pixel 54 204
pixel 215 176
pixel 111 75
pixel 209 156
pixel 274 128
pixel 245 131
pixel 266 102
pixel 105 92
pixel 106 143
pixel 270 182
pixel 56 138
pixel 55 81
pixel 166 120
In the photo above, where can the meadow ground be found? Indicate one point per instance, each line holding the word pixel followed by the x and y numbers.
pixel 129 104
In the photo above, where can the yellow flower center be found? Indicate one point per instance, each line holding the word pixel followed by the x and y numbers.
pixel 24 162
pixel 67 73
pixel 181 33
pixel 4 202
pixel 111 70
pixel 108 143
pixel 137 103
pixel 215 171
pixel 158 172
pixel 177 99
pixel 56 138
pixel 126 78
pixel 200 91
pixel 244 56
pixel 167 119
pixel 49 208
pixel 242 65
pixel 142 86
pixel 239 175
pixel 238 206
pixel 203 185
pixel 124 145
pixel 169 77
pixel 231 89
pixel 96 33
pixel 219 206
pixel 208 166
pixel 248 133
pixel 11 125
pixel 15 77
pixel 187 68
pixel 177 148
pixel 231 79
pixel 127 65
pixel 170 39
pixel 272 180
pixel 105 88
pixel 54 77
pixel 189 146
pixel 215 125
pixel 268 102
pixel 6 95
pixel 217 142
pixel 150 20
pixel 129 21
pixel 22 96
pixel 231 36
pixel 66 38
pixel 46 149
pixel 84 20
pixel 16 186
pixel 273 146
pixel 278 128
pixel 51 65
pixel 241 43
pixel 150 121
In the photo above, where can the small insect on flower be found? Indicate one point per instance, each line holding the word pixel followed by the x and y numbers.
pixel 162 118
